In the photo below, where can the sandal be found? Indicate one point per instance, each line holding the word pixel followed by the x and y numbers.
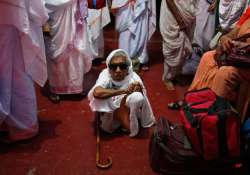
pixel 144 67
pixel 125 130
pixel 175 105
pixel 54 98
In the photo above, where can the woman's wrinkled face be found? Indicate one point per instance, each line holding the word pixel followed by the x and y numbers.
pixel 118 68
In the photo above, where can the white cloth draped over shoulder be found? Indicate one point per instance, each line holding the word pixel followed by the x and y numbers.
pixel 97 19
pixel 145 114
pixel 68 51
pixel 230 12
pixel 136 25
pixel 22 61
pixel 176 43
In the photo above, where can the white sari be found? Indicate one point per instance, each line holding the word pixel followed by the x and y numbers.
pixel 68 53
pixel 136 26
pixel 97 19
pixel 107 106
pixel 22 61
pixel 176 44
pixel 204 25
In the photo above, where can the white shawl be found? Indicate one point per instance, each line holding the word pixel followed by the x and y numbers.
pixel 109 105
pixel 133 15
pixel 104 80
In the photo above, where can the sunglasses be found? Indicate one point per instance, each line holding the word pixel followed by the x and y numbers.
pixel 122 66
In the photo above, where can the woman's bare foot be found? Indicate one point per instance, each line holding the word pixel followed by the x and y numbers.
pixel 169 85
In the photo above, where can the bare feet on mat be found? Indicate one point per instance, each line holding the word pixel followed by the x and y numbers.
pixel 169 85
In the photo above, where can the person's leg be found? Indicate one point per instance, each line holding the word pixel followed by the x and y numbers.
pixel 204 77
pixel 168 75
pixel 122 115
pixel 205 73
pixel 18 98
pixel 135 103
pixel 128 111
pixel 225 81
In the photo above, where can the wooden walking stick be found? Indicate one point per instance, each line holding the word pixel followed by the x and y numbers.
pixel 109 159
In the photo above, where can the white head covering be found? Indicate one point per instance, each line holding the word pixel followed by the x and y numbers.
pixel 128 61
pixel 111 55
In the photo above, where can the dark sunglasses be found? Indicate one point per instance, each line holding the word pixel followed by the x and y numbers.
pixel 122 66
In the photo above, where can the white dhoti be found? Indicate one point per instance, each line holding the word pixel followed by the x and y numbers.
pixel 68 52
pixel 138 108
pixel 136 25
pixel 176 44
pixel 97 19
pixel 22 61
pixel 204 25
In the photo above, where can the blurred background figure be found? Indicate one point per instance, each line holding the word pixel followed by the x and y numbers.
pixel 136 23
pixel 177 19
pixel 228 13
pixel 22 61
pixel 203 32
pixel 97 19
pixel 68 48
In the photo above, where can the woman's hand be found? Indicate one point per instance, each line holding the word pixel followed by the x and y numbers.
pixel 225 44
pixel 134 87
pixel 212 7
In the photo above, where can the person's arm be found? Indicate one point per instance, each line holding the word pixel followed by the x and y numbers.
pixel 103 93
pixel 225 41
pixel 212 6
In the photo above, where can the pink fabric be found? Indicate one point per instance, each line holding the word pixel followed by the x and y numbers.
pixel 18 111
pixel 28 17
pixel 68 51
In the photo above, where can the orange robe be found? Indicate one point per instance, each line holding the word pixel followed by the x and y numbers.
pixel 222 80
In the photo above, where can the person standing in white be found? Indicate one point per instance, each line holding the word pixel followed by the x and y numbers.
pixel 68 52
pixel 120 96
pixel 136 23
pixel 97 19
pixel 22 62
pixel 176 43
